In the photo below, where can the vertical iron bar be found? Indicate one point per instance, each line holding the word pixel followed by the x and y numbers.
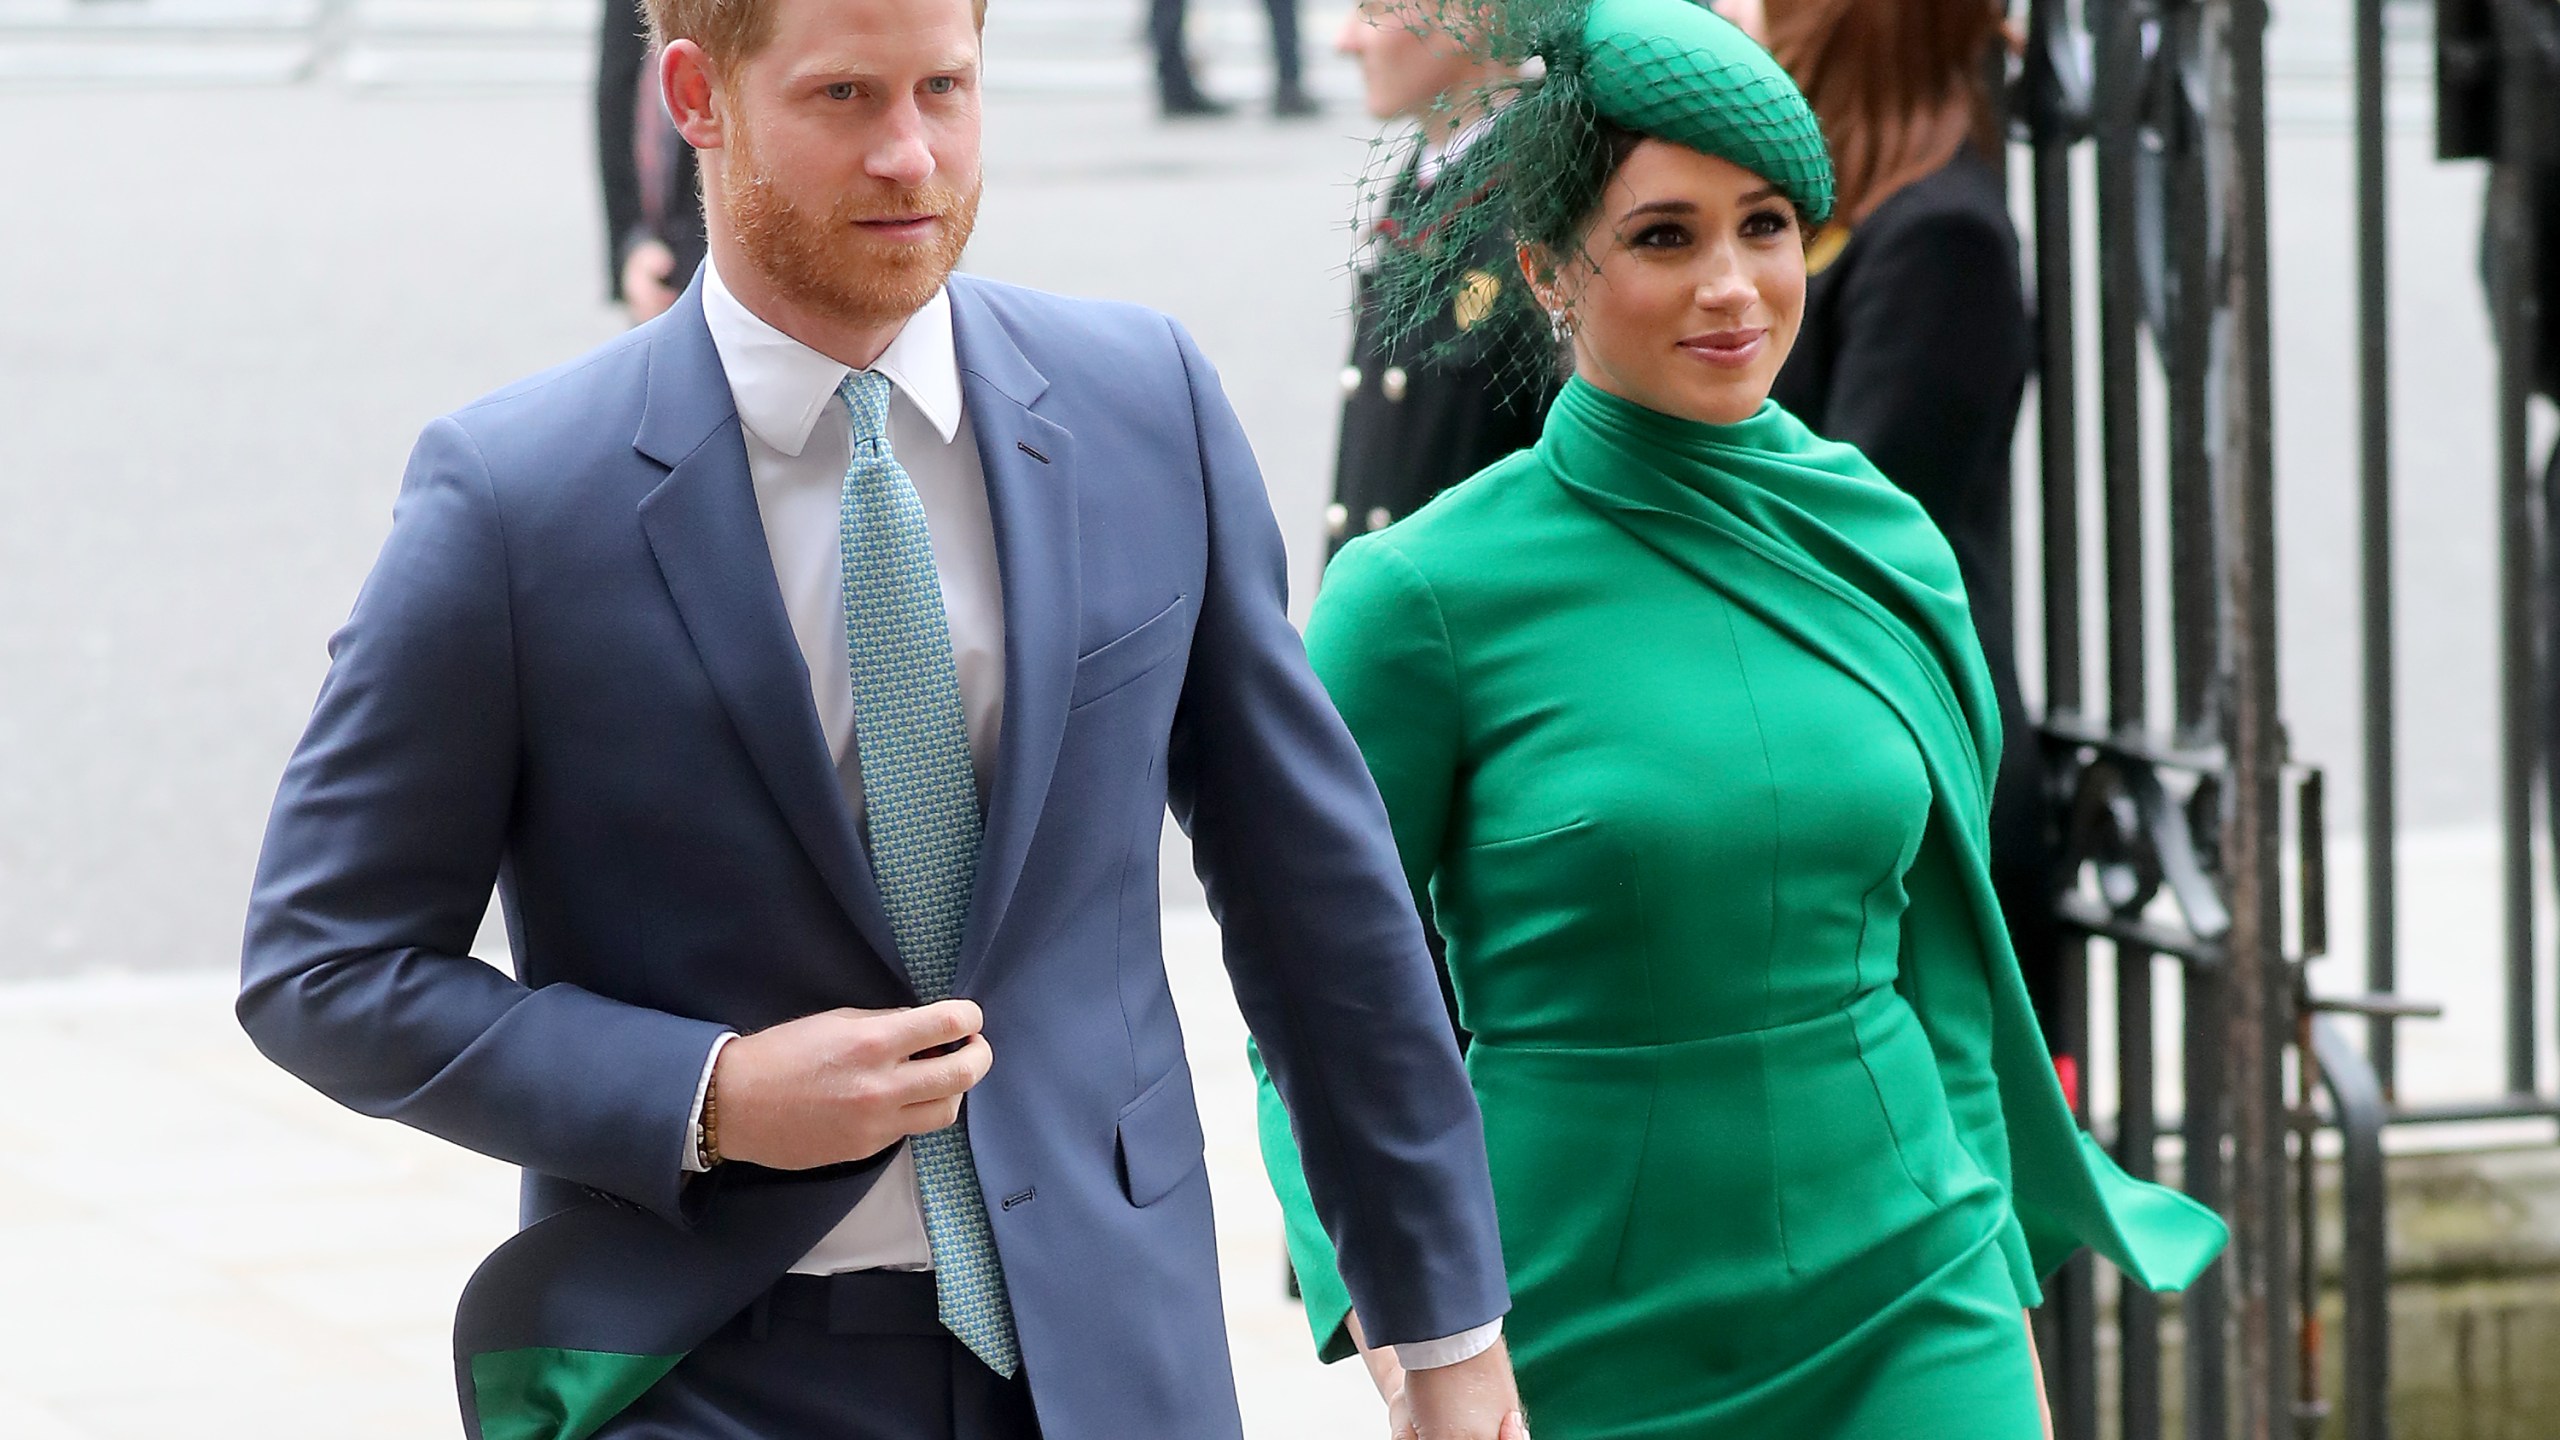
pixel 2137 1150
pixel 2057 374
pixel 2205 1309
pixel 2119 105
pixel 2194 609
pixel 2516 561
pixel 2259 1012
pixel 2355 1094
pixel 2071 1365
pixel 2373 315
pixel 2074 1311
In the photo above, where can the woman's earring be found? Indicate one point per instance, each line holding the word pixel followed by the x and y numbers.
pixel 1560 323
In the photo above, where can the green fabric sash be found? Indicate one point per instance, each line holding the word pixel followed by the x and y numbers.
pixel 1806 534
pixel 551 1394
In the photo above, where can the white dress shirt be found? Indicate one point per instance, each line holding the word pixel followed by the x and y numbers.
pixel 798 448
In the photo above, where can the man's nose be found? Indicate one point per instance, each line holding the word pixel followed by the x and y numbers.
pixel 900 154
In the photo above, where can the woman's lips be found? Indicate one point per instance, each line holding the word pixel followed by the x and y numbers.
pixel 1732 349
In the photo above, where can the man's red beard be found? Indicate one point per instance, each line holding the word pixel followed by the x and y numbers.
pixel 826 261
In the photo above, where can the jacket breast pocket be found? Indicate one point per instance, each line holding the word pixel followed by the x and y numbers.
pixel 1160 1141
pixel 1115 663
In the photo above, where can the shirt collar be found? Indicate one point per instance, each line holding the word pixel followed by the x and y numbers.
pixel 782 386
pixel 1438 158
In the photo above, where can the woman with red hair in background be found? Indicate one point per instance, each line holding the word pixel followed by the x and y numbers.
pixel 1917 344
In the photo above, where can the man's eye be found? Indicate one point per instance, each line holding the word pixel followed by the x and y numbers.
pixel 842 90
pixel 941 85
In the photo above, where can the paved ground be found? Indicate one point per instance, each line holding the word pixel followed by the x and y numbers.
pixel 198 1246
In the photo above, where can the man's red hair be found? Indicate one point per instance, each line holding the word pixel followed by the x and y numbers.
pixel 729 31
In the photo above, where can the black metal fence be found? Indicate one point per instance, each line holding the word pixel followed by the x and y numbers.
pixel 2175 815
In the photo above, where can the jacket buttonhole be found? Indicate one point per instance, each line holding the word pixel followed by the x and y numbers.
pixel 1025 447
pixel 1021 1197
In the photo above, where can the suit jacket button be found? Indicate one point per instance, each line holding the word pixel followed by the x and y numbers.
pixel 1380 518
pixel 1350 379
pixel 1393 382
pixel 1337 521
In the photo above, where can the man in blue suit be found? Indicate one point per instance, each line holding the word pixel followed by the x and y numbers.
pixel 810 669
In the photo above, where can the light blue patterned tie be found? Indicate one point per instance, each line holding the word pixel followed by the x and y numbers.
pixel 920 797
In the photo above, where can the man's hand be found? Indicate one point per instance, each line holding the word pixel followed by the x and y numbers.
pixel 1471 1400
pixel 646 273
pixel 847 1084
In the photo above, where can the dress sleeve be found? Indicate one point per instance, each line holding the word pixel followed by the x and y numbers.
pixel 1939 978
pixel 2065 1192
pixel 1378 643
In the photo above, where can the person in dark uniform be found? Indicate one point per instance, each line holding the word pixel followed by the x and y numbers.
pixel 1179 92
pixel 653 231
pixel 1424 411
pixel 1917 345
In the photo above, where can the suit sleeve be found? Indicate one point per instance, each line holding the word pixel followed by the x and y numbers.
pixel 1322 943
pixel 1377 643
pixel 388 831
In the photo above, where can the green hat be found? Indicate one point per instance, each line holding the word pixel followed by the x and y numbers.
pixel 1671 69
pixel 1681 72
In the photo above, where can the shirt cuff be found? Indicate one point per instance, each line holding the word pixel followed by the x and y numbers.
pixel 1433 1354
pixel 702 1092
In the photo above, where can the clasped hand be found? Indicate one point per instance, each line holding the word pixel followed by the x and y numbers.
pixel 847 1084
pixel 1474 1399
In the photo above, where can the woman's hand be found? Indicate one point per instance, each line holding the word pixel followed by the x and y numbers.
pixel 2044 1403
pixel 1384 1372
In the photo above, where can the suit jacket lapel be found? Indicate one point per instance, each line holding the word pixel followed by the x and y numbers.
pixel 1031 491
pixel 708 536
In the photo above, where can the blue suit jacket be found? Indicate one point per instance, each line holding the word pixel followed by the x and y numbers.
pixel 571 673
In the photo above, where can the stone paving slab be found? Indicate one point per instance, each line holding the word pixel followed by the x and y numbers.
pixel 197 1245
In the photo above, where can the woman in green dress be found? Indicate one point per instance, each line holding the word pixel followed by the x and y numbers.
pixel 1686 739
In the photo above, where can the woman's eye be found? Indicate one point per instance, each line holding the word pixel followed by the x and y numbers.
pixel 941 85
pixel 841 90
pixel 1659 237
pixel 1766 224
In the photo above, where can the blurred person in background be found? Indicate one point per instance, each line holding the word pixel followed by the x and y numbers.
pixel 810 669
pixel 1917 342
pixel 653 228
pixel 1427 405
pixel 1178 91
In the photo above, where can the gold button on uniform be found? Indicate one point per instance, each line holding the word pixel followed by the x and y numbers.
pixel 1393 382
pixel 1350 379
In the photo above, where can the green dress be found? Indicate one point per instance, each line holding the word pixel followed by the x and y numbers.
pixel 1684 734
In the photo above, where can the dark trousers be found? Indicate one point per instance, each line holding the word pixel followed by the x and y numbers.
pixel 844 1357
pixel 1173 67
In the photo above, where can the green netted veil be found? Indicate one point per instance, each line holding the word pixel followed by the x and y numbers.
pixel 1671 69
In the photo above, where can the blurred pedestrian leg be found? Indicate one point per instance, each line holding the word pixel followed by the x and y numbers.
pixel 1178 89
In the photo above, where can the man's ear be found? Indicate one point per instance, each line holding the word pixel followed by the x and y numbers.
pixel 692 95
